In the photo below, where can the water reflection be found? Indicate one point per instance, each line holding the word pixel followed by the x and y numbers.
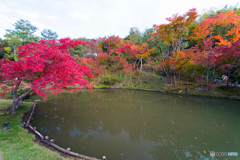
pixel 125 124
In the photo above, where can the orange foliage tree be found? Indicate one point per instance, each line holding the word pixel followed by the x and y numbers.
pixel 137 52
pixel 223 28
pixel 214 33
pixel 173 35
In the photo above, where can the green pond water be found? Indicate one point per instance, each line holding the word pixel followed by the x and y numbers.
pixel 140 125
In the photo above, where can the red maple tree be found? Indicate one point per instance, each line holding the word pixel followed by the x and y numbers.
pixel 46 66
pixel 108 45
pixel 228 59
pixel 137 52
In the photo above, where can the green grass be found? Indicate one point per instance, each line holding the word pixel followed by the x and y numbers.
pixel 144 80
pixel 16 143
pixel 150 81
pixel 154 82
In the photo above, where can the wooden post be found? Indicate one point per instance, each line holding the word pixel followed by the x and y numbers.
pixel 29 119
pixel 52 144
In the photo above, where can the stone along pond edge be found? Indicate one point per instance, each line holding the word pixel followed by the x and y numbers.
pixel 45 140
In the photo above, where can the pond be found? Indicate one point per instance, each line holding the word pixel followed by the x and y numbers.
pixel 140 125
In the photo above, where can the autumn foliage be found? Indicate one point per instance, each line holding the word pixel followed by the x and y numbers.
pixel 218 39
pixel 179 45
pixel 183 45
pixel 46 66
pixel 223 28
pixel 173 35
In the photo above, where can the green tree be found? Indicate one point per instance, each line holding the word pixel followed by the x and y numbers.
pixel 3 45
pixel 24 30
pixel 146 34
pixel 13 40
pixel 212 12
pixel 135 36
pixel 80 49
pixel 49 34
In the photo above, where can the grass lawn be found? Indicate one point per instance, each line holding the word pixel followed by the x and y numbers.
pixel 16 143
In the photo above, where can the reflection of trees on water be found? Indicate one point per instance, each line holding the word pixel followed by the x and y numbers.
pixel 176 127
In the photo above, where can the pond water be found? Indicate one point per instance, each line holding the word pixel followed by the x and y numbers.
pixel 140 125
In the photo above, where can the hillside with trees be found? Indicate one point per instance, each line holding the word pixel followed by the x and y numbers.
pixel 191 53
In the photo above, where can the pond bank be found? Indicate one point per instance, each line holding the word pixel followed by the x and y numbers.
pixel 208 94
pixel 49 143
pixel 152 82
pixel 16 142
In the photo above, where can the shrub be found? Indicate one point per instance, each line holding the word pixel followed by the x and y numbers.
pixel 109 79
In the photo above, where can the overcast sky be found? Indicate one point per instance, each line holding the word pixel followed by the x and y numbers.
pixel 97 18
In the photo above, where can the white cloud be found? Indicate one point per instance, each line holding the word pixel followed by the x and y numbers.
pixel 27 14
pixel 80 16
pixel 4 8
pixel 4 18
pixel 13 3
pixel 51 17
pixel 94 18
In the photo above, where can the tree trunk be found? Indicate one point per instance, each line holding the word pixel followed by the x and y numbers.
pixel 167 74
pixel 17 100
pixel 141 65
pixel 171 75
pixel 207 76
pixel 14 106
pixel 14 50
pixel 178 77
pixel 138 64
pixel 228 78
pixel 175 79
pixel 134 66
